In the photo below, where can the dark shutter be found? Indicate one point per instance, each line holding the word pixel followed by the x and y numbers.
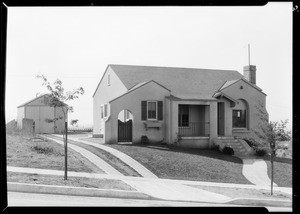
pixel 160 110
pixel 144 110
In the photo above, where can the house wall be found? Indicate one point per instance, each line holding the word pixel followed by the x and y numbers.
pixel 20 116
pixel 103 95
pixel 252 97
pixel 132 102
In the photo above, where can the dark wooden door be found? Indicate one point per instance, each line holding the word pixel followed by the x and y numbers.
pixel 125 131
pixel 221 119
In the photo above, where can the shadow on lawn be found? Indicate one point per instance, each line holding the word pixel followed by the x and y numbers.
pixel 194 151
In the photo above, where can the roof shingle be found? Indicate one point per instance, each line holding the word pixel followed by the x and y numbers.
pixel 183 82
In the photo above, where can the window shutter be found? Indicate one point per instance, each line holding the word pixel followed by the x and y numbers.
pixel 144 110
pixel 160 110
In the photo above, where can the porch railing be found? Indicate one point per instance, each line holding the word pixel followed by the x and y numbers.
pixel 193 129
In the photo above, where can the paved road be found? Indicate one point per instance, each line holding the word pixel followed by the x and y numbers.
pixel 16 199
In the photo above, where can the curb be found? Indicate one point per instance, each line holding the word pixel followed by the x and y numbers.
pixel 260 202
pixel 79 191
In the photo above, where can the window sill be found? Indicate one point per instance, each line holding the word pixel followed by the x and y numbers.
pixel 240 130
pixel 153 124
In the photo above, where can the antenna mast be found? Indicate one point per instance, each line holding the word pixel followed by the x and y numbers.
pixel 249 54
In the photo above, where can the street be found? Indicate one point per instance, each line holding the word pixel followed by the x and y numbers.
pixel 34 200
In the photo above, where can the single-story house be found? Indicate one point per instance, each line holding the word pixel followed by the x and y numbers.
pixel 166 104
pixel 41 113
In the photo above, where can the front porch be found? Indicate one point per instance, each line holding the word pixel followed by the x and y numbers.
pixel 193 120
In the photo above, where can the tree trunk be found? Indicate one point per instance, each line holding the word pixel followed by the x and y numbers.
pixel 272 172
pixel 66 150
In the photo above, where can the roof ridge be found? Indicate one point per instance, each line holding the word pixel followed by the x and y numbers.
pixel 188 68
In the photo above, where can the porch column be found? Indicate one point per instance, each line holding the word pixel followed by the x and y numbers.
pixel 213 122
pixel 174 121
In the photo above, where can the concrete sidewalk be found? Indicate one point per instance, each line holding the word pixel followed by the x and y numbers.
pixel 91 157
pixel 143 171
pixel 256 171
pixel 147 188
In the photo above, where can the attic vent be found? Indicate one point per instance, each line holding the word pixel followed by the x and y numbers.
pixel 241 87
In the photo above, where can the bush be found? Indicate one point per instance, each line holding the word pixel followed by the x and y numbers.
pixel 251 142
pixel 144 139
pixel 260 152
pixel 215 147
pixel 228 150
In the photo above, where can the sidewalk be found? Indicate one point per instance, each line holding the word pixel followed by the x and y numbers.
pixel 90 156
pixel 164 189
pixel 143 171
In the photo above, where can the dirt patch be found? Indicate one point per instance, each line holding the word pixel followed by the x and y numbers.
pixel 72 181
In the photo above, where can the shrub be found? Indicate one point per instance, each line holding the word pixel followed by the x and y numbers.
pixel 43 150
pixel 215 147
pixel 260 152
pixel 228 150
pixel 144 139
pixel 251 142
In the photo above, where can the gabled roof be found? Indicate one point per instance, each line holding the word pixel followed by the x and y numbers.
pixel 28 102
pixel 183 82
pixel 229 83
pixel 38 97
pixel 138 86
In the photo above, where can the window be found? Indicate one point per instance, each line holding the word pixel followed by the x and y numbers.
pixel 183 116
pixel 239 115
pixel 105 110
pixel 101 109
pixel 152 110
pixel 108 79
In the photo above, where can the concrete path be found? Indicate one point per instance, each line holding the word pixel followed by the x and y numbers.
pixel 143 171
pixel 153 187
pixel 256 171
pixel 91 157
pixel 130 179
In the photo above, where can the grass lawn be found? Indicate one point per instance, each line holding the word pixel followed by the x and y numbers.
pixel 282 171
pixel 186 164
pixel 106 156
pixel 72 181
pixel 245 193
pixel 24 152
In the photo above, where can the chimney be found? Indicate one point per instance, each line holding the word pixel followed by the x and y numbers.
pixel 250 73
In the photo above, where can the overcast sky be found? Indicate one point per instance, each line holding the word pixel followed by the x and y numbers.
pixel 75 44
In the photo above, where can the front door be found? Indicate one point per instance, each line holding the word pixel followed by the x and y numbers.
pixel 125 131
pixel 221 119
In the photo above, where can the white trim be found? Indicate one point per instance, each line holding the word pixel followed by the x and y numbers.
pixel 156 110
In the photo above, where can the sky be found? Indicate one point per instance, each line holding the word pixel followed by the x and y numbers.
pixel 75 45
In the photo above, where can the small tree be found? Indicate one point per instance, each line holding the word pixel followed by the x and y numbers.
pixel 271 134
pixel 74 122
pixel 57 98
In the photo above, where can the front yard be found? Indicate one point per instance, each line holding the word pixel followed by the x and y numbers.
pixel 23 151
pixel 186 164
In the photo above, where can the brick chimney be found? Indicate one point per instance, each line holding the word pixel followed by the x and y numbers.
pixel 250 73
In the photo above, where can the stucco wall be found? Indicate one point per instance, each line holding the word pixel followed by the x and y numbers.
pixel 103 95
pixel 132 102
pixel 252 97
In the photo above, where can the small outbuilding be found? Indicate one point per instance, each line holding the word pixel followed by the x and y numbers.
pixel 37 114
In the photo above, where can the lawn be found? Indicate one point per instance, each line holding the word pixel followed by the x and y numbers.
pixel 282 171
pixel 244 193
pixel 23 151
pixel 186 164
pixel 72 181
